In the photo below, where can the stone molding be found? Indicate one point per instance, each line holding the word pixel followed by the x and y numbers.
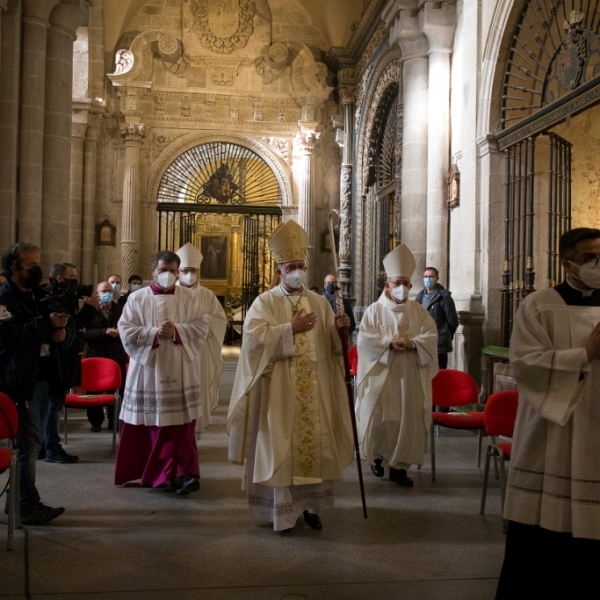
pixel 180 145
pixel 306 142
pixel 486 145
pixel 66 18
pixel 38 11
pixel 407 34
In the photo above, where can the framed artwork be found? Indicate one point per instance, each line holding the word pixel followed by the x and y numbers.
pixel 106 234
pixel 214 252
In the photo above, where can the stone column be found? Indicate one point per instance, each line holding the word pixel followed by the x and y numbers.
pixel 36 14
pixel 89 200
pixel 406 33
pixel 347 98
pixel 76 196
pixel 10 50
pixel 305 145
pixel 438 23
pixel 56 180
pixel 133 134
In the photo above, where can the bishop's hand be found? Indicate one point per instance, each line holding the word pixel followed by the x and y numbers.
pixel 342 321
pixel 303 321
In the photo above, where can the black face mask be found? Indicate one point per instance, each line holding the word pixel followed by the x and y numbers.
pixel 34 277
pixel 330 288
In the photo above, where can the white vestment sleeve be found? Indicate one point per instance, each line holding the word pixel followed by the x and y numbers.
pixel 551 379
pixel 137 338
pixel 285 344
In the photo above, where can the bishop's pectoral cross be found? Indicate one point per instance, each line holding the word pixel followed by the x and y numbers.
pixel 168 381
pixel 403 332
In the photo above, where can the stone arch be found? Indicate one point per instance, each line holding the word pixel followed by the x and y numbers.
pixel 385 75
pixel 178 147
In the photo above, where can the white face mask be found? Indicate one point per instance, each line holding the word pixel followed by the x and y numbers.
pixel 166 280
pixel 296 279
pixel 588 275
pixel 189 278
pixel 400 292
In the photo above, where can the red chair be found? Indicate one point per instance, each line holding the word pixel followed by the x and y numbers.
pixel 450 389
pixel 9 460
pixel 102 377
pixel 500 414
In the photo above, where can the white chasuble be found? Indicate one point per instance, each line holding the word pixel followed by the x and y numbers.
pixel 303 432
pixel 393 410
pixel 554 478
pixel 163 385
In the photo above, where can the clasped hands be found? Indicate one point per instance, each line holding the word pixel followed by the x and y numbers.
pixel 402 345
pixel 303 321
pixel 166 329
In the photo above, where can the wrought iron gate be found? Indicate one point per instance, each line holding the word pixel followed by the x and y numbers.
pixel 521 221
pixel 258 267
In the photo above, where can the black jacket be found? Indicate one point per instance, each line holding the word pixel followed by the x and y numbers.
pixel 24 326
pixel 102 345
pixel 443 312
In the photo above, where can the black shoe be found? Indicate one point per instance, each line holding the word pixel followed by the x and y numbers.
pixel 62 457
pixel 186 484
pixel 42 454
pixel 400 477
pixel 312 520
pixel 377 469
pixel 96 428
pixel 41 513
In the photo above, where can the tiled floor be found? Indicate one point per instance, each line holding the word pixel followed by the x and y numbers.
pixel 132 543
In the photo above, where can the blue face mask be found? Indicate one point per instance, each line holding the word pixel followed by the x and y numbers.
pixel 135 287
pixel 330 288
pixel 116 287
pixel 429 282
pixel 106 297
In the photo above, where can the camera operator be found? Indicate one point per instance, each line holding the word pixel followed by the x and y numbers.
pixel 64 291
pixel 30 334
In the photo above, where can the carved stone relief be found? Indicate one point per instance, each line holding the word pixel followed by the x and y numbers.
pixel 280 145
pixel 223 25
pixel 161 139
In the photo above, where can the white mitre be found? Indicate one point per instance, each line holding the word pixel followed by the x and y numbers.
pixel 288 242
pixel 190 256
pixel 400 262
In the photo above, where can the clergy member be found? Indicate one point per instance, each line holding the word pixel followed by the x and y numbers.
pixel 397 349
pixel 210 359
pixel 289 416
pixel 553 494
pixel 163 328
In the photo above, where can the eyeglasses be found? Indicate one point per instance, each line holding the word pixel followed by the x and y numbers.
pixel 591 262
pixel 395 284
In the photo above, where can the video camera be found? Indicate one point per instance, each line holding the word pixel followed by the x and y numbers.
pixel 63 296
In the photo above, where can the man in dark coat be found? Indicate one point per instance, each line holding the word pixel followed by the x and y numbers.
pixel 438 301
pixel 31 332
pixel 102 339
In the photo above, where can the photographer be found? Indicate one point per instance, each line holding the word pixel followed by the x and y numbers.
pixel 30 335
pixel 64 292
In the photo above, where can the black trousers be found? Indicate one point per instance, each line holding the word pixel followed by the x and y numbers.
pixel 443 360
pixel 539 563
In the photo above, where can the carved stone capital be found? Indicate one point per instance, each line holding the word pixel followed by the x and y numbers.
pixel 306 142
pixel 133 133
pixel 66 18
pixel 438 22
pixel 38 10
pixel 406 33
pixel 347 94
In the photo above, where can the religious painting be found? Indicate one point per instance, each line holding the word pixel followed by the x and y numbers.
pixel 214 253
pixel 106 233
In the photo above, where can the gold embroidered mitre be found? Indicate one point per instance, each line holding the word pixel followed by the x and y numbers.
pixel 400 262
pixel 190 256
pixel 288 242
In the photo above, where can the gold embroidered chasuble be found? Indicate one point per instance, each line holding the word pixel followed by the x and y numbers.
pixel 304 433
